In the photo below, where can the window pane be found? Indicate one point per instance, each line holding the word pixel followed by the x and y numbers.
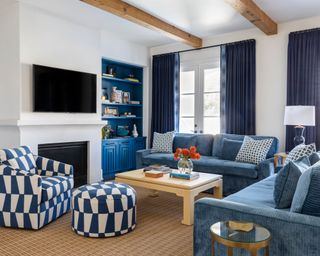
pixel 187 81
pixel 186 125
pixel 211 125
pixel 212 80
pixel 186 105
pixel 212 104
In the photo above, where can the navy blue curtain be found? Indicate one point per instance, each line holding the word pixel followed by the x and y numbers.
pixel 165 93
pixel 303 80
pixel 238 87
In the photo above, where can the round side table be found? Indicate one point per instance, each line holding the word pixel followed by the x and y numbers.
pixel 253 240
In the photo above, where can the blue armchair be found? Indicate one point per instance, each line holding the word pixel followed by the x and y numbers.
pixel 33 190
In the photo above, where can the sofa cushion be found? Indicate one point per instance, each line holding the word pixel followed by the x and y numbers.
pixel 286 182
pixel 225 167
pixel 300 151
pixel 258 194
pixel 184 141
pixel 204 144
pixel 218 139
pixel 162 142
pixel 230 149
pixel 18 158
pixel 253 151
pixel 306 198
pixel 54 186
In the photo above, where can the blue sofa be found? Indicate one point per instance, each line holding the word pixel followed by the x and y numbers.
pixel 293 234
pixel 236 175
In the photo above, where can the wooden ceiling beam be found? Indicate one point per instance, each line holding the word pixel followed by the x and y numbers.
pixel 134 14
pixel 252 12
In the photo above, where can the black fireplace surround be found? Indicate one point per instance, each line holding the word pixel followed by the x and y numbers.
pixel 74 153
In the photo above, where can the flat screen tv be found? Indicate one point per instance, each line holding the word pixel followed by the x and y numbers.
pixel 60 90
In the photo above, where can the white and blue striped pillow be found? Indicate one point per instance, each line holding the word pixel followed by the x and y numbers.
pixel 18 158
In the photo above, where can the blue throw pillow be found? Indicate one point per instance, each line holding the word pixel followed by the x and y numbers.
pixel 314 157
pixel 230 149
pixel 184 141
pixel 306 199
pixel 286 182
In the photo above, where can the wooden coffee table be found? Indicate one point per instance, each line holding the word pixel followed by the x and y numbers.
pixel 186 189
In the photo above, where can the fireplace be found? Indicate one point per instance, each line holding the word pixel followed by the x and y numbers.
pixel 74 153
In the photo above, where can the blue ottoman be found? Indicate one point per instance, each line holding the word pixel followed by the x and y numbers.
pixel 103 209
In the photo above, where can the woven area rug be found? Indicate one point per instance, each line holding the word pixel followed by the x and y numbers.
pixel 158 232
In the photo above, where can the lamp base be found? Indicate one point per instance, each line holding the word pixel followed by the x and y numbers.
pixel 299 139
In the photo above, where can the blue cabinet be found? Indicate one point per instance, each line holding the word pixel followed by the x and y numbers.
pixel 119 155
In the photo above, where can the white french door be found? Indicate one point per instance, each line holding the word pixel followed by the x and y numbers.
pixel 200 98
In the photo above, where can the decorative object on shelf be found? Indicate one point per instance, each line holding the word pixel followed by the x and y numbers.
pixel 135 102
pixel 116 95
pixel 132 78
pixel 299 116
pixel 128 114
pixel 134 131
pixel 104 95
pixel 126 97
pixel 184 156
pixel 122 130
pixel 111 111
pixel 111 71
pixel 107 132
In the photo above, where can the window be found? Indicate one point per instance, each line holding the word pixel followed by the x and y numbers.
pixel 200 98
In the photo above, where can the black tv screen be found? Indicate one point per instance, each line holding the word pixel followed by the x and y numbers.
pixel 60 90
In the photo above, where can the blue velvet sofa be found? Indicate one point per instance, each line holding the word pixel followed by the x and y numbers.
pixel 236 175
pixel 293 234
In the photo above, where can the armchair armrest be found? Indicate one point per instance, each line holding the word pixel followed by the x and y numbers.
pixel 266 168
pixel 48 167
pixel 21 187
pixel 139 155
pixel 297 234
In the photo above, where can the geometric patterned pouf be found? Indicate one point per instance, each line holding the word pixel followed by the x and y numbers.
pixel 103 209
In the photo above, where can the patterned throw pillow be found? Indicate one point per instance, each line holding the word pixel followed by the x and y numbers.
pixel 162 142
pixel 300 151
pixel 253 151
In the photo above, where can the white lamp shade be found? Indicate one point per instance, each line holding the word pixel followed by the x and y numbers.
pixel 299 115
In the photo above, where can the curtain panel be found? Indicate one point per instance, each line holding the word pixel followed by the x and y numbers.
pixel 165 93
pixel 303 79
pixel 238 87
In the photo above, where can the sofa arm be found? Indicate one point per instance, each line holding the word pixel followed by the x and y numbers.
pixel 292 234
pixel 48 167
pixel 140 154
pixel 21 187
pixel 265 168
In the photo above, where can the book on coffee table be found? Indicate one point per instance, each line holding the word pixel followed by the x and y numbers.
pixel 185 176
pixel 161 168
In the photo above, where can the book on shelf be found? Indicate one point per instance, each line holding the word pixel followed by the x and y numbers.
pixel 185 176
pixel 159 168
pixel 135 102
pixel 128 116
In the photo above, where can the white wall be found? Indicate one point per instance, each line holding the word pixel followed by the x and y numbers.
pixel 271 68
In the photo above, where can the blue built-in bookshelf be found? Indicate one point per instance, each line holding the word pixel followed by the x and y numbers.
pixel 118 153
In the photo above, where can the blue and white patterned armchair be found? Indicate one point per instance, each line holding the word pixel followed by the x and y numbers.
pixel 33 190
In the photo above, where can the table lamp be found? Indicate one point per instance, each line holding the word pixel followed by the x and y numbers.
pixel 299 116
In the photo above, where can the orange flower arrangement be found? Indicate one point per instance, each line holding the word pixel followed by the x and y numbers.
pixel 186 153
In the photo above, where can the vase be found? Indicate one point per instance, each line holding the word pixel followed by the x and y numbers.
pixel 185 165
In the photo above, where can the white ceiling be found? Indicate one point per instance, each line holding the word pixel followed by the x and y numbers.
pixel 200 17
